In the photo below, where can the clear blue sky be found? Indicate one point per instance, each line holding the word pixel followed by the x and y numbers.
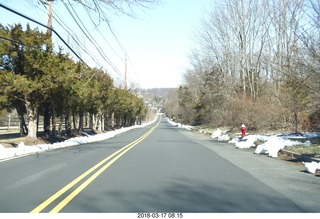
pixel 157 42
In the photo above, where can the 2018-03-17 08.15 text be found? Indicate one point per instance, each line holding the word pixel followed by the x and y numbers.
pixel 160 215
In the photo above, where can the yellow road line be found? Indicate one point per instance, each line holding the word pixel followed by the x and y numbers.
pixel 116 156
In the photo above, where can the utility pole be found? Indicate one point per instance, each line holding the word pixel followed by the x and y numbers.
pixel 47 106
pixel 125 72
pixel 49 24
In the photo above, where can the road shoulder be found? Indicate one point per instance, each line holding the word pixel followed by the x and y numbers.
pixel 283 176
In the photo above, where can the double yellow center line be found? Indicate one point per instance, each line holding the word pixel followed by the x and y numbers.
pixel 104 163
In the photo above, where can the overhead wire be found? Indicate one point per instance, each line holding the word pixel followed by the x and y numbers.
pixel 43 25
pixel 65 28
pixel 102 36
pixel 91 39
pixel 55 16
pixel 99 31
pixel 75 38
pixel 105 18
pixel 89 36
pixel 84 30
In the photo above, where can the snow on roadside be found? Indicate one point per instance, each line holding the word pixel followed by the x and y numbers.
pixel 22 149
pixel 274 143
pixel 311 167
pixel 187 127
pixel 271 146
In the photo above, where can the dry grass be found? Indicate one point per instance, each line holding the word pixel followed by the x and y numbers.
pixel 14 141
pixel 311 151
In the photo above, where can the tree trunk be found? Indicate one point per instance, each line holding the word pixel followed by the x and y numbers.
pixel 54 124
pixel 32 119
pixel 80 120
pixel 112 120
pixel 46 119
pixel 60 125
pixel 98 125
pixel 91 121
pixel 95 121
pixel 74 120
pixel 22 122
pixel 103 122
pixel 295 114
pixel 68 124
pixel 86 120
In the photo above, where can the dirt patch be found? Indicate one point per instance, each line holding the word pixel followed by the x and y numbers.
pixel 13 140
pixel 308 151
pixel 286 156
pixel 297 159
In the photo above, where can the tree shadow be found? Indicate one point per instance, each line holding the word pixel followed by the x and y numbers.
pixel 14 145
pixel 188 196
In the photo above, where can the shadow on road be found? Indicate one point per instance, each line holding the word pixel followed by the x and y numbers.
pixel 187 196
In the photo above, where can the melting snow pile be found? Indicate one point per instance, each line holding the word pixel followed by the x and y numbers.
pixel 187 127
pixel 220 135
pixel 312 167
pixel 275 143
pixel 272 144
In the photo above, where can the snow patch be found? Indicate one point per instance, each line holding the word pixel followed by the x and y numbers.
pixel 223 138
pixel 275 144
pixel 312 167
pixel 246 142
pixel 179 125
pixel 217 133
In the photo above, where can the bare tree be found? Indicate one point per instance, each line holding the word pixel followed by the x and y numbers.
pixel 249 53
pixel 234 38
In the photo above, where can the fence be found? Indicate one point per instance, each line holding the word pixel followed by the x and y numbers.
pixel 10 123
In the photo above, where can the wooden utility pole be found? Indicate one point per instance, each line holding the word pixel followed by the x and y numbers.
pixel 49 24
pixel 47 106
pixel 125 72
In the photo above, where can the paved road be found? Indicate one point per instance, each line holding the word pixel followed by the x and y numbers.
pixel 158 168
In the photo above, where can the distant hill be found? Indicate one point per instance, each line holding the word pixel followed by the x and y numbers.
pixel 157 92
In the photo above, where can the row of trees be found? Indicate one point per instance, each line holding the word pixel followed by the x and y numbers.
pixel 35 80
pixel 255 62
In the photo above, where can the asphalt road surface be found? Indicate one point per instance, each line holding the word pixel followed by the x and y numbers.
pixel 159 168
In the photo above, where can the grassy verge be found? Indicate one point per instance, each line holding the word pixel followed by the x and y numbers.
pixel 311 151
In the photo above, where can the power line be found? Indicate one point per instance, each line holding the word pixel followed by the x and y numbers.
pixel 105 18
pixel 90 38
pixel 87 35
pixel 43 25
pixel 60 21
pixel 76 40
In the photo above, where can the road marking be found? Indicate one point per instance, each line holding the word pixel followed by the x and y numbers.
pixel 113 157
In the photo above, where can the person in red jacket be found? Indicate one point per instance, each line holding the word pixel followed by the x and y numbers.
pixel 243 131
